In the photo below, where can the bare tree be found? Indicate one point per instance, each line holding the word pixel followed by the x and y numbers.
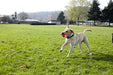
pixel 23 16
pixel 77 10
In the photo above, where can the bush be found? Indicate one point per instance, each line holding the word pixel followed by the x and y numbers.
pixel 27 22
pixel 43 23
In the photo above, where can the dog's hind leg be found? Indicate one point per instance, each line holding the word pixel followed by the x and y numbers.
pixel 86 42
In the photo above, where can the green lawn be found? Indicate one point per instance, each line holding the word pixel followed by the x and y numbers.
pixel 38 48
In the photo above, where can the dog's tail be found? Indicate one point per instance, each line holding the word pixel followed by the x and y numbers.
pixel 87 30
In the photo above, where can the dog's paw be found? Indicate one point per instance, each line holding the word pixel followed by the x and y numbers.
pixel 61 50
pixel 89 54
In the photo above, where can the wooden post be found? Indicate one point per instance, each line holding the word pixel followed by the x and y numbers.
pixel 112 37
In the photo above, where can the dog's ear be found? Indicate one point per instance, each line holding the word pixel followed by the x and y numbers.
pixel 72 31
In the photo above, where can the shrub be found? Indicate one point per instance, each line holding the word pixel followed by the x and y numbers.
pixel 43 23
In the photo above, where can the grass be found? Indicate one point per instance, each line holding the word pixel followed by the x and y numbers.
pixel 38 48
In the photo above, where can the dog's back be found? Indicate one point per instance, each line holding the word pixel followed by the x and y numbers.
pixel 82 35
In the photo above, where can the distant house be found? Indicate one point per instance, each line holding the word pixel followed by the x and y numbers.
pixel 54 21
pixel 88 21
pixel 32 20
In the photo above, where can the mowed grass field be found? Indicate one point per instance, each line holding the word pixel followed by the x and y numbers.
pixel 34 50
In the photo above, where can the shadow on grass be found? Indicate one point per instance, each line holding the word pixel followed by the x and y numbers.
pixel 100 57
pixel 103 57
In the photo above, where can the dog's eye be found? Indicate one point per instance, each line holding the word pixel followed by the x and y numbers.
pixel 66 31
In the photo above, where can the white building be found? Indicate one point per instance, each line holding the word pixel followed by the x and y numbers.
pixel 32 20
pixel 54 21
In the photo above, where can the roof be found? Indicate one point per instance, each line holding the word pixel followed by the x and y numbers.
pixel 32 20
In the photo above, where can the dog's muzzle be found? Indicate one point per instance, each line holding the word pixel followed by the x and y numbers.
pixel 62 33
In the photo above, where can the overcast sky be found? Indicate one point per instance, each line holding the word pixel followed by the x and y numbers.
pixel 8 7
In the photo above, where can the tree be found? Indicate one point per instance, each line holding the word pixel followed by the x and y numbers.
pixel 6 19
pixel 23 16
pixel 104 15
pixel 107 13
pixel 61 17
pixel 77 10
pixel 14 16
pixel 94 12
pixel 54 16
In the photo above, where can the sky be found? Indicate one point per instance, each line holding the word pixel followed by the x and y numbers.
pixel 8 7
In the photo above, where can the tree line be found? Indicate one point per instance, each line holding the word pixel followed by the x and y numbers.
pixel 76 11
pixel 14 17
pixel 79 10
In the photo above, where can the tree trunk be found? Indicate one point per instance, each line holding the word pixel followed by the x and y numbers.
pixel 109 24
pixel 78 21
pixel 94 23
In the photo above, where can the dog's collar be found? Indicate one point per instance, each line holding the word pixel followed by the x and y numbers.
pixel 71 36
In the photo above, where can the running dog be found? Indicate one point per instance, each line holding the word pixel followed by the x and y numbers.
pixel 74 39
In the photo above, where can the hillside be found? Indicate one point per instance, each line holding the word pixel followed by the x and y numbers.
pixel 44 16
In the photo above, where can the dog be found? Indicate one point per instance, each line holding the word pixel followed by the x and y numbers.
pixel 74 39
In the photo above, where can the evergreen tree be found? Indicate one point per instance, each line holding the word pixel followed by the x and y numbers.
pixel 107 13
pixel 94 12
pixel 110 12
pixel 61 17
pixel 15 15
pixel 104 14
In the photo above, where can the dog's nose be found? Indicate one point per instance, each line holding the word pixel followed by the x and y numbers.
pixel 61 33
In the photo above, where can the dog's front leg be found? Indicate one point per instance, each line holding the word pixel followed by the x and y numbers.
pixel 63 46
pixel 72 46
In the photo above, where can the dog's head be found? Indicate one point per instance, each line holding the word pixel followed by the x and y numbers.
pixel 67 31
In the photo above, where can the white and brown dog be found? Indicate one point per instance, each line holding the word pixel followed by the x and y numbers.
pixel 74 39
